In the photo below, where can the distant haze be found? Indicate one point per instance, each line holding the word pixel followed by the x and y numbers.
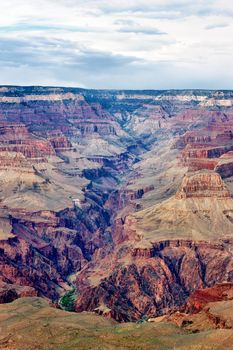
pixel 133 44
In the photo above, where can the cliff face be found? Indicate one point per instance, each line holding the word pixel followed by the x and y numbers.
pixel 150 281
pixel 203 185
pixel 124 194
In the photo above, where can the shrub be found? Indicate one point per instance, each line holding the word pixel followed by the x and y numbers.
pixel 67 301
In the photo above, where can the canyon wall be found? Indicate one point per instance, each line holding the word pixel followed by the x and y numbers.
pixel 124 195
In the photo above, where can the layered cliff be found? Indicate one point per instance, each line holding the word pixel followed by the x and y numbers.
pixel 202 185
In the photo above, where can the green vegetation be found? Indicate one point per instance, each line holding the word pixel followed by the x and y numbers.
pixel 67 301
pixel 144 319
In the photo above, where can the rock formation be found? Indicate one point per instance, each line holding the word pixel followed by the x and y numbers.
pixel 125 195
pixel 203 184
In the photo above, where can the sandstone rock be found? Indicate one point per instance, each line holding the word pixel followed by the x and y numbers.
pixel 203 184
pixel 200 298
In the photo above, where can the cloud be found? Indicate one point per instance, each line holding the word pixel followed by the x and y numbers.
pixel 216 26
pixel 155 8
pixel 27 27
pixel 138 29
pixel 40 52
pixel 130 26
pixel 117 43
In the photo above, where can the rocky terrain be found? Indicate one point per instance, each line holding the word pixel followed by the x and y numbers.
pixel 31 323
pixel 123 196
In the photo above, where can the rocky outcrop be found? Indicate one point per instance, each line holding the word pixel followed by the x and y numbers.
pixel 16 141
pixel 46 247
pixel 12 132
pixel 90 127
pixel 59 141
pixel 203 184
pixel 201 147
pixel 153 280
pixel 25 265
pixel 30 149
pixel 200 298
pixel 15 160
pixel 11 292
pixel 209 308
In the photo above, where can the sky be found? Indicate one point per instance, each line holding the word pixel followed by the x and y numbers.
pixel 117 44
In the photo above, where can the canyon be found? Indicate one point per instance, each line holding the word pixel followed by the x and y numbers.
pixel 123 197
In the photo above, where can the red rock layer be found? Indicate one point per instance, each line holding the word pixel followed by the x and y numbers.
pixel 201 148
pixel 59 141
pixel 200 298
pixel 202 185
pixel 153 280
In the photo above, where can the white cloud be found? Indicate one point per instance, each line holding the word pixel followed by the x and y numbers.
pixel 133 44
pixel 216 26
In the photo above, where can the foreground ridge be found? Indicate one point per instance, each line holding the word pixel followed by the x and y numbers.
pixel 40 326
